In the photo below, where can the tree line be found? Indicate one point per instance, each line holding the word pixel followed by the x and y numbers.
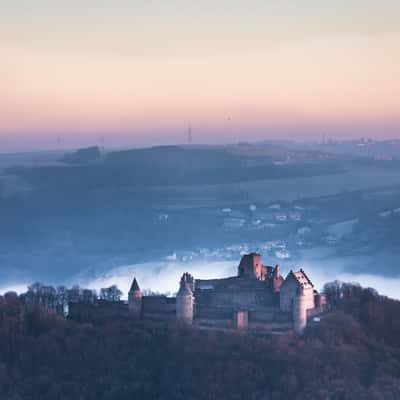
pixel 353 353
pixel 57 298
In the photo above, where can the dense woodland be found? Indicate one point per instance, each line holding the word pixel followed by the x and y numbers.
pixel 354 353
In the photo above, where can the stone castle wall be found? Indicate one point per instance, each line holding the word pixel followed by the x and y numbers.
pixel 159 307
pixel 224 296
pixel 98 311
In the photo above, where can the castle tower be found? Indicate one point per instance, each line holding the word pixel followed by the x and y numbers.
pixel 251 267
pixel 185 302
pixel 135 299
pixel 320 301
pixel 300 311
pixel 241 320
pixel 189 280
pixel 277 279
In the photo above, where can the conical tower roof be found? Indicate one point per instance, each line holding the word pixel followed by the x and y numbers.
pixel 135 286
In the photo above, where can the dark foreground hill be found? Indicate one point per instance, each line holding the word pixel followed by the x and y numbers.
pixel 354 353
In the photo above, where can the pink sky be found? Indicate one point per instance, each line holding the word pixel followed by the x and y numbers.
pixel 142 74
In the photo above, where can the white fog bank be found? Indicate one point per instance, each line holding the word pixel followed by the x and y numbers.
pixel 163 277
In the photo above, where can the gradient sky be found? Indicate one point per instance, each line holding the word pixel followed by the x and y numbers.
pixel 137 72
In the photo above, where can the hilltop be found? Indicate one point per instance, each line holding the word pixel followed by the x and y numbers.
pixel 353 353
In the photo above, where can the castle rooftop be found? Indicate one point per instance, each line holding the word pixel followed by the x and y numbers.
pixel 302 278
pixel 135 286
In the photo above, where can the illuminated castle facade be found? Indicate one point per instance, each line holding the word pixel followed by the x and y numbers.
pixel 258 298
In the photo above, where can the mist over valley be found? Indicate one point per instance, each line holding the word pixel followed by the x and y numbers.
pixel 95 217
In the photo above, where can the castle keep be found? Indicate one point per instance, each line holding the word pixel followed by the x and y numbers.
pixel 258 298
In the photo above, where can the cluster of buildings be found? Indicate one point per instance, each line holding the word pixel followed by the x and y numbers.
pixel 259 298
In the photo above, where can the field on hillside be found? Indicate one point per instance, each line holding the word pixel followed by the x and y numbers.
pixel 272 190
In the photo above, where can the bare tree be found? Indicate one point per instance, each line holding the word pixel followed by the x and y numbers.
pixel 89 296
pixel 62 299
pixel 39 294
pixel 111 293
pixel 74 294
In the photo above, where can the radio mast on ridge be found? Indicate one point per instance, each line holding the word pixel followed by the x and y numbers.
pixel 189 134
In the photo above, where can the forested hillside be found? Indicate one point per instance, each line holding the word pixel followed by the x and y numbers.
pixel 354 353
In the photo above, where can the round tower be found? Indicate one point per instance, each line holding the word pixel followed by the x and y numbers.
pixel 184 303
pixel 277 279
pixel 299 311
pixel 135 299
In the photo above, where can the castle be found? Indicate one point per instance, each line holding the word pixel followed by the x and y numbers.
pixel 258 298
